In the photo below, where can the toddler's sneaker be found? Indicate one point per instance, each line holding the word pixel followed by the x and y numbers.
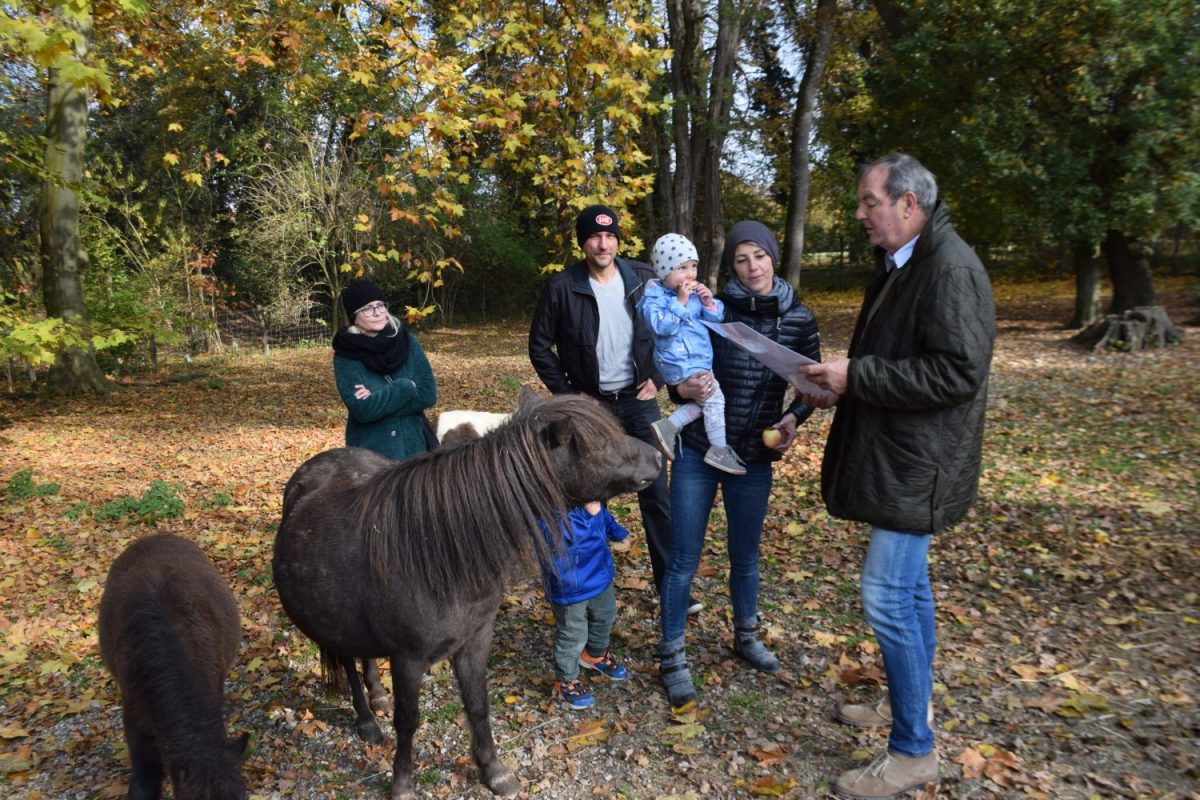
pixel 605 664
pixel 723 458
pixel 664 435
pixel 573 694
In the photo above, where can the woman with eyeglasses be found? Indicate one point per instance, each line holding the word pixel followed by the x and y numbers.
pixel 382 375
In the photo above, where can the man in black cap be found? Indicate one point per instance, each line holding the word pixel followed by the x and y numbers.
pixel 587 338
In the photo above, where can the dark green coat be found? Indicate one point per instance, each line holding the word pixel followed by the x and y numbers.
pixel 391 420
pixel 904 448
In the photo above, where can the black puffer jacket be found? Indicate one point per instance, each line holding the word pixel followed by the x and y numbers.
pixel 904 447
pixel 753 394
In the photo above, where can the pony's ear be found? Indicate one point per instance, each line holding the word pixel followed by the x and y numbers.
pixel 528 396
pixel 237 745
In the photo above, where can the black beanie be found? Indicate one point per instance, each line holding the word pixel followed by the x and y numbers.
pixel 595 219
pixel 359 293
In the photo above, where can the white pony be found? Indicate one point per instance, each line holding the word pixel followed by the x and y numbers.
pixel 477 422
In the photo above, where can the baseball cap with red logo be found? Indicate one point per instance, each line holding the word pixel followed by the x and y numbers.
pixel 595 219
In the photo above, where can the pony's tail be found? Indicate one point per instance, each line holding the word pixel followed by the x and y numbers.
pixel 333 675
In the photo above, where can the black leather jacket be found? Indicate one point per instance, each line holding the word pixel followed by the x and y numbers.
pixel 566 324
pixel 753 394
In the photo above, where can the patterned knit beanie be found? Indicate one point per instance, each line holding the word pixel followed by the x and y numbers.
pixel 669 252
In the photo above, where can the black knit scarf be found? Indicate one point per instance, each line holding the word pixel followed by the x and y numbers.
pixel 383 353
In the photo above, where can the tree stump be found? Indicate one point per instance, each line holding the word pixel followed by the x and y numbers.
pixel 1132 330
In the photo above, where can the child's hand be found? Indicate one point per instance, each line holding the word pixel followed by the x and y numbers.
pixel 705 294
pixel 684 291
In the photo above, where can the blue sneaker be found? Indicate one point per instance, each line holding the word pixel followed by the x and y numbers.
pixel 574 695
pixel 605 664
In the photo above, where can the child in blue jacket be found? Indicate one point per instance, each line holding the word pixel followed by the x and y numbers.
pixel 580 590
pixel 672 307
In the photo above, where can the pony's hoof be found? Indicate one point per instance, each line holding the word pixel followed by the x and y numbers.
pixel 505 784
pixel 368 730
pixel 381 704
pixel 403 789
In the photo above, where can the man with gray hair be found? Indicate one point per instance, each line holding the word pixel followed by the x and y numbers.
pixel 904 449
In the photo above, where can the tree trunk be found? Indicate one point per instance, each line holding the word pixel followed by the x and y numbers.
pixel 806 102
pixel 685 20
pixel 1129 269
pixel 1135 320
pixel 1087 285
pixel 720 103
pixel 63 255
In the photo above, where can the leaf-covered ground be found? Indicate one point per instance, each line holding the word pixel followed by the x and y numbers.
pixel 1068 613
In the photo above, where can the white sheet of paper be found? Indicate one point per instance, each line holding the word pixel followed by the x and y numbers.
pixel 774 356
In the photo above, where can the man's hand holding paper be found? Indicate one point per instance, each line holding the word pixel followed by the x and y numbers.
pixel 832 377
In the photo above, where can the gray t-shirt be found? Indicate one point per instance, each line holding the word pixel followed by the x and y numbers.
pixel 614 343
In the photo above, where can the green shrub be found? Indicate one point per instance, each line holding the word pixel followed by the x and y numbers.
pixel 160 501
pixel 21 486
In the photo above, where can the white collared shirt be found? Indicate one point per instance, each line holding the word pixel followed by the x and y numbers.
pixel 902 255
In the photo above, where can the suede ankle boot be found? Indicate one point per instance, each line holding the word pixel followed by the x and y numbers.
pixel 889 775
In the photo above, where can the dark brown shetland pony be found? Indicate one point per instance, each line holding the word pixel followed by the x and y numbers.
pixel 408 559
pixel 169 633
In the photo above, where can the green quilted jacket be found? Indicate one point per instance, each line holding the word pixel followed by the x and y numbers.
pixel 904 448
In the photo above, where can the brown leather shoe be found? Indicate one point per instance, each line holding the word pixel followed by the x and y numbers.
pixel 873 715
pixel 889 775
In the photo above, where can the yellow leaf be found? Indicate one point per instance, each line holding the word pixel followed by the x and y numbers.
pixel 12 732
pixel 19 760
pixel 1068 680
pixel 175 127
pixel 1026 671
pixel 590 733
pixel 768 786
pixel 824 639
pixel 512 699
pixel 194 178
pixel 170 159
pixel 1125 620
pixel 688 730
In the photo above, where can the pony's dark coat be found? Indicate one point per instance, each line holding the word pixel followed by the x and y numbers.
pixel 408 559
pixel 169 633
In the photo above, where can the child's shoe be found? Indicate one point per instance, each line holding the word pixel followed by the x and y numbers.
pixel 605 664
pixel 573 694
pixel 664 435
pixel 723 458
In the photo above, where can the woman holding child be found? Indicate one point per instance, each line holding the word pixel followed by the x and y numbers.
pixel 754 398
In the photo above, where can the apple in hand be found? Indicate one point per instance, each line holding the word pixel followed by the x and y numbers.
pixel 771 437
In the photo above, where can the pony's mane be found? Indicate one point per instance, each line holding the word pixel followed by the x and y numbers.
pixel 465 518
pixel 154 671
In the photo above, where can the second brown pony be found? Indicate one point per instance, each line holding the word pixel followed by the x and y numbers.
pixel 408 559
pixel 169 633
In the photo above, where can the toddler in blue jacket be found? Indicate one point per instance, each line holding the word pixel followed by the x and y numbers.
pixel 580 590
pixel 672 307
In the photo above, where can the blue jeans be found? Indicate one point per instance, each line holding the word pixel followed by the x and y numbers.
pixel 693 489
pixel 898 602
pixel 654 501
